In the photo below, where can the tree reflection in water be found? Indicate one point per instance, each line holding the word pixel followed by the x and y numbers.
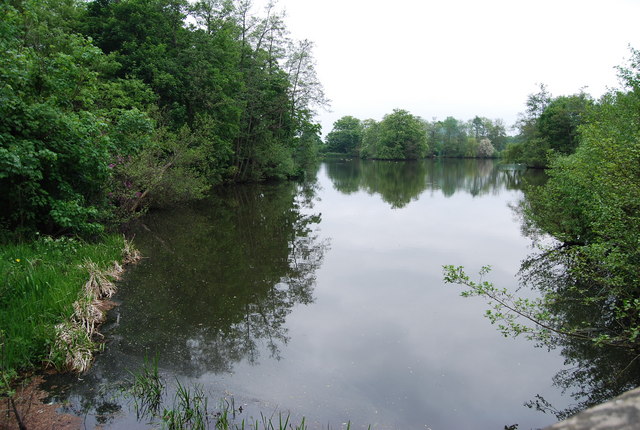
pixel 400 183
pixel 222 277
pixel 217 282
pixel 593 373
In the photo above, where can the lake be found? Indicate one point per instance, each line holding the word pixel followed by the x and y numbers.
pixel 325 300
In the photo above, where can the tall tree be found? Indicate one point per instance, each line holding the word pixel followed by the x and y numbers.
pixel 558 124
pixel 451 138
pixel 306 92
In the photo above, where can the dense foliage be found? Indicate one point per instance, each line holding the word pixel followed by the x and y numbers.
pixel 401 135
pixel 591 204
pixel 110 106
pixel 589 275
pixel 548 128
pixel 478 138
pixel 346 136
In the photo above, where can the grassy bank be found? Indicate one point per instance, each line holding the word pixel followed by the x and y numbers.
pixel 48 297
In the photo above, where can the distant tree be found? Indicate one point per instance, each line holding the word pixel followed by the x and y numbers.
pixel 536 104
pixel 494 130
pixel 370 138
pixel 450 138
pixel 548 127
pixel 400 135
pixel 485 148
pixel 478 126
pixel 497 134
pixel 346 136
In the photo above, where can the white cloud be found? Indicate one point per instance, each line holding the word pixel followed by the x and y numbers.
pixel 460 57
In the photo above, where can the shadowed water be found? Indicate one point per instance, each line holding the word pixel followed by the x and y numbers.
pixel 325 299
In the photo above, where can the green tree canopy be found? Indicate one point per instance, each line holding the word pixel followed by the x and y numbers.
pixel 60 122
pixel 549 127
pixel 133 103
pixel 399 136
pixel 450 137
pixel 589 278
pixel 346 136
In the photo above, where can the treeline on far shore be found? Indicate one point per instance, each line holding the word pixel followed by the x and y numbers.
pixel 401 135
pixel 547 128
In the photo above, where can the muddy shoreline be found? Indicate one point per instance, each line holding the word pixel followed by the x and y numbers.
pixel 30 399
pixel 35 414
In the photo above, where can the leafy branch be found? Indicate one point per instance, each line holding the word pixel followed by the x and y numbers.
pixel 508 310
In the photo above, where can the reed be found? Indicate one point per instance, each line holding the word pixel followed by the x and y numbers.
pixel 147 389
pixel 190 406
pixel 190 410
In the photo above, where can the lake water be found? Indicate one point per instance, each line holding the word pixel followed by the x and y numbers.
pixel 326 300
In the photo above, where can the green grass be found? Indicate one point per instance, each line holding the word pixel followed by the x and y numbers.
pixel 39 282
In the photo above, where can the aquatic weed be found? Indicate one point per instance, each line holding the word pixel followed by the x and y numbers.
pixel 147 389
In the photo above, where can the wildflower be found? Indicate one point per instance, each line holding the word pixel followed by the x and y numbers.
pixel 17 260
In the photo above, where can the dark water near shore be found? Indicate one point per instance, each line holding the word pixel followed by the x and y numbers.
pixel 325 299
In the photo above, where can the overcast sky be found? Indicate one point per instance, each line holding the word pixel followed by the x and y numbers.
pixel 460 58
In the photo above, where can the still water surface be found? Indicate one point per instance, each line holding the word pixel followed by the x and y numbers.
pixel 326 300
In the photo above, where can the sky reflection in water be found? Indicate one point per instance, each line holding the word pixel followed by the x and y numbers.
pixel 331 304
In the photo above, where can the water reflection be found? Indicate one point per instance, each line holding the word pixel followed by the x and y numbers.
pixel 384 343
pixel 215 287
pixel 592 374
pixel 225 275
pixel 399 183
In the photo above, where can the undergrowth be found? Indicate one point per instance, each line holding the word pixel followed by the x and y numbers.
pixel 47 290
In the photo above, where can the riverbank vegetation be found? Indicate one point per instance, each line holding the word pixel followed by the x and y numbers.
pixel 50 300
pixel 110 107
pixel 191 407
pixel 548 128
pixel 589 275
